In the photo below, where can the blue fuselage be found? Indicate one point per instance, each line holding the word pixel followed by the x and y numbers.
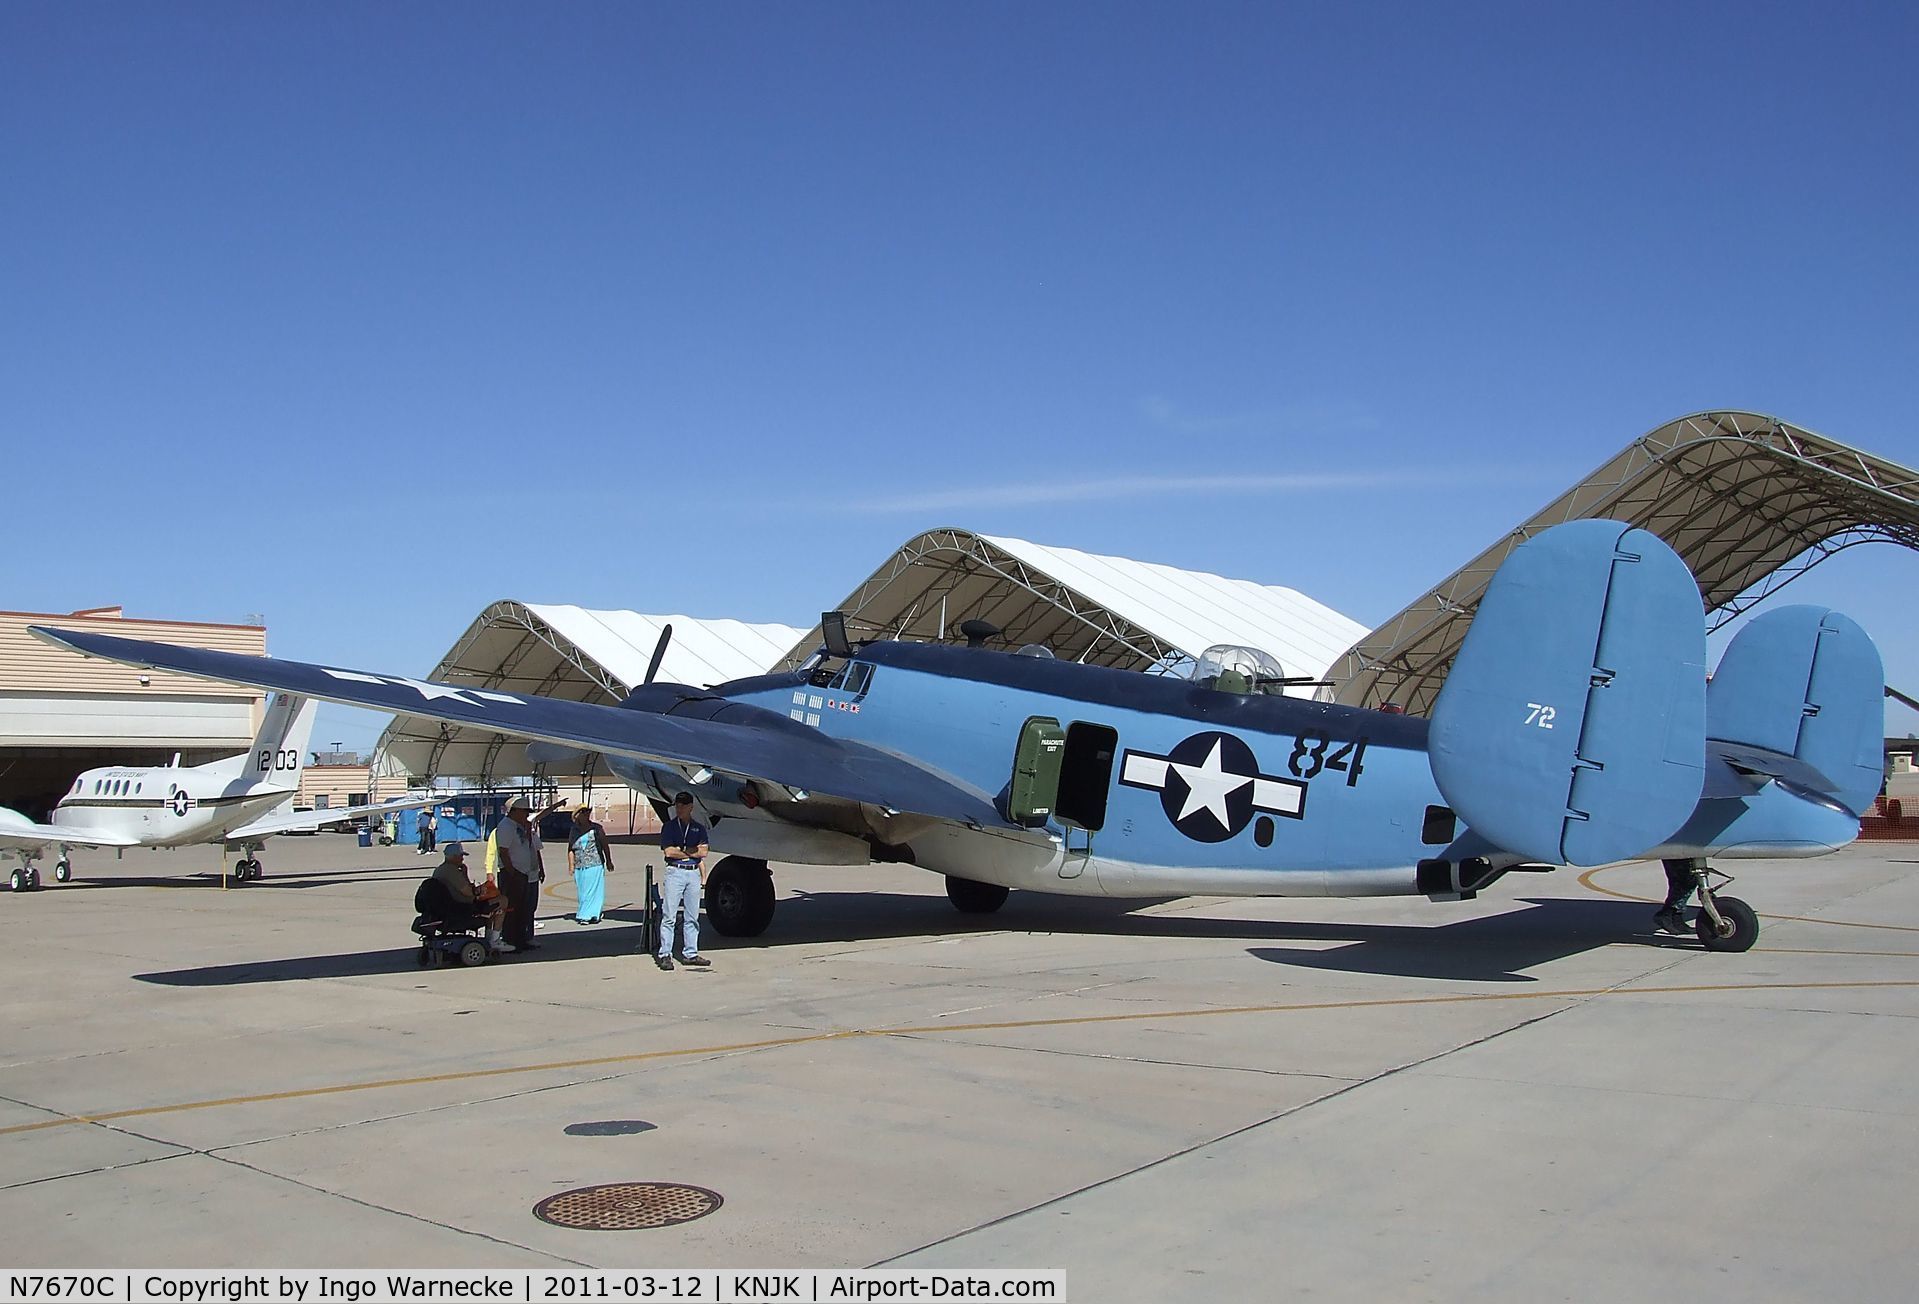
pixel 1171 787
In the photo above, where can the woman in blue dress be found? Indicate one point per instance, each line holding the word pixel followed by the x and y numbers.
pixel 591 859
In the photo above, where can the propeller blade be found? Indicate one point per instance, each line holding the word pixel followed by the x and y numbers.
pixel 659 654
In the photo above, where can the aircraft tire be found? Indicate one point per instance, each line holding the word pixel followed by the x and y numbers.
pixel 17 881
pixel 971 897
pixel 1741 918
pixel 33 879
pixel 62 872
pixel 739 897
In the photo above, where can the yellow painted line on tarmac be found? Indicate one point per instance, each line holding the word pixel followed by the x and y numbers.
pixel 1586 881
pixel 639 1057
pixel 1810 950
pixel 465 1075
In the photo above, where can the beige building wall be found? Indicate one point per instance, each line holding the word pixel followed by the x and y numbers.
pixel 342 785
pixel 51 697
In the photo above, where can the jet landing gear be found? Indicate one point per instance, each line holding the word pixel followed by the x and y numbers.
pixel 248 866
pixel 27 877
pixel 63 870
pixel 739 897
pixel 1724 923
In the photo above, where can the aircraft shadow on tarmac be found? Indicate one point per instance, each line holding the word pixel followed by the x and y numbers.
pixel 1493 949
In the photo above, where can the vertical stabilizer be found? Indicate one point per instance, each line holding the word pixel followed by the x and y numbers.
pixel 279 751
pixel 1571 729
pixel 1806 682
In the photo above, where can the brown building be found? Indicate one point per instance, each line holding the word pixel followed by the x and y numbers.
pixel 61 713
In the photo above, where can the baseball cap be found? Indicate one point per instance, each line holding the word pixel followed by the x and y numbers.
pixel 452 851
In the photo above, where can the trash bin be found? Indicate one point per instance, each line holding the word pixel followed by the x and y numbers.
pixel 366 836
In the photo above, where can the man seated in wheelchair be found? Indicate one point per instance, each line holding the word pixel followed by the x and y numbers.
pixel 449 903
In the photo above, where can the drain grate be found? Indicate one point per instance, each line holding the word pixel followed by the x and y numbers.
pixel 611 1127
pixel 627 1206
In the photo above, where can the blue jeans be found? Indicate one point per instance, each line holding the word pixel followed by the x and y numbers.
pixel 681 889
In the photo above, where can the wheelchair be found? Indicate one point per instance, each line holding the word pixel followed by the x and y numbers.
pixel 452 943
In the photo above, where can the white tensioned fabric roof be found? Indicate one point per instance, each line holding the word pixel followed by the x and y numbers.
pixel 1194 610
pixel 1109 611
pixel 571 653
pixel 702 653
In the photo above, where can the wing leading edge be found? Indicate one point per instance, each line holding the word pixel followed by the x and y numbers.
pixel 815 762
pixel 19 832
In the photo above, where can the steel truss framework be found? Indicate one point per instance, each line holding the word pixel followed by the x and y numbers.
pixel 1750 502
pixel 507 648
pixel 944 577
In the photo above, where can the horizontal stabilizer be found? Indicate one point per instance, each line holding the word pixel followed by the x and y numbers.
pixel 1571 728
pixel 1807 683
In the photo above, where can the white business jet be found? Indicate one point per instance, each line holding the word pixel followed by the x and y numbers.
pixel 231 802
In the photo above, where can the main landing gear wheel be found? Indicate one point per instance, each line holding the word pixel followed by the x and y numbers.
pixel 63 872
pixel 248 868
pixel 739 897
pixel 973 897
pixel 1737 929
pixel 17 881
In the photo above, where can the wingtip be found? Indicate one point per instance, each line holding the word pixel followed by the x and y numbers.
pixel 55 638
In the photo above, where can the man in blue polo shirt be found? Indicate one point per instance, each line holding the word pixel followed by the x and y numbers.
pixel 683 840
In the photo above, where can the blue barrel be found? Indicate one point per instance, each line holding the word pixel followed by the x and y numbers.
pixel 366 836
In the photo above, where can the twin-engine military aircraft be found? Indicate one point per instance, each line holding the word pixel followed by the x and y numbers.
pixel 230 801
pixel 1577 727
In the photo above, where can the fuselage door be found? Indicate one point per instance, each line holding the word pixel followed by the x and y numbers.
pixel 1085 781
pixel 1034 789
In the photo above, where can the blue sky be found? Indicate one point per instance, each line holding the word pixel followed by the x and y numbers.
pixel 363 316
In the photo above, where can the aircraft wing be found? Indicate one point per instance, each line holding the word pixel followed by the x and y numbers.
pixel 308 821
pixel 799 759
pixel 17 831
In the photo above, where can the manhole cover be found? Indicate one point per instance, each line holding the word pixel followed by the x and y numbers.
pixel 627 1206
pixel 611 1127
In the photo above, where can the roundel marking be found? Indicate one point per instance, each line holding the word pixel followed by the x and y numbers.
pixel 1210 785
pixel 1210 795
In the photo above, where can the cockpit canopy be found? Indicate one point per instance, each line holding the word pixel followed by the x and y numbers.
pixel 1231 668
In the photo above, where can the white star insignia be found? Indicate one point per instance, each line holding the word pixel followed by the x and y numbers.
pixel 429 692
pixel 1208 785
